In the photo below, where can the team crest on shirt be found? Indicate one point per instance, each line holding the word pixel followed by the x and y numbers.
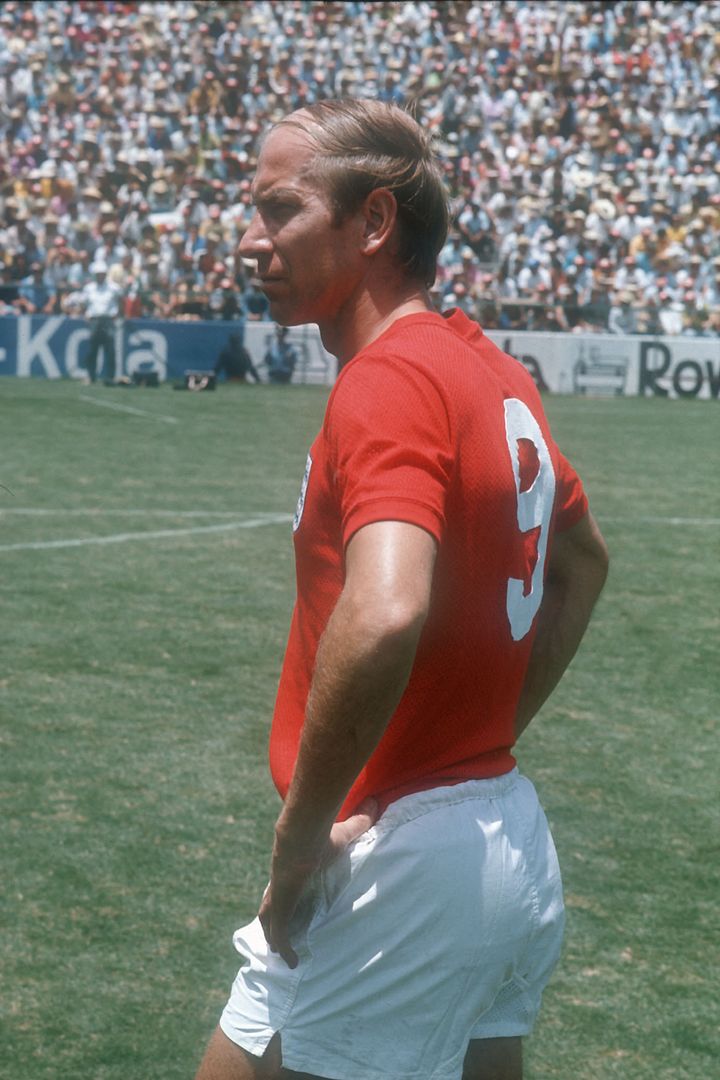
pixel 303 492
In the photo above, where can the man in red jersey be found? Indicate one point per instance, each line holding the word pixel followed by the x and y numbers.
pixel 447 567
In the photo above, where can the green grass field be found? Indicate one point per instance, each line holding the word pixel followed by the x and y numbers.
pixel 146 590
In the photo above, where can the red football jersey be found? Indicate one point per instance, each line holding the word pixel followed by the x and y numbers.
pixel 432 424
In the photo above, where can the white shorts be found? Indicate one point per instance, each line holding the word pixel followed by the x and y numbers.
pixel 439 925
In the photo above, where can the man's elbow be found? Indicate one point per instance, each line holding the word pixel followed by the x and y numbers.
pixel 580 555
pixel 404 619
pixel 596 551
pixel 390 621
pixel 401 621
pixel 603 562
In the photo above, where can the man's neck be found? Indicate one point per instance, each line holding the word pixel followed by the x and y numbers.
pixel 365 317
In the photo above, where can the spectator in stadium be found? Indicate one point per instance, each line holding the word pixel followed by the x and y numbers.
pixel 223 300
pixel 389 935
pixel 255 302
pixel 647 318
pixel 281 357
pixel 532 279
pixel 476 228
pixel 621 319
pixel 101 302
pixel 34 296
pixel 105 107
pixel 235 362
pixel 671 315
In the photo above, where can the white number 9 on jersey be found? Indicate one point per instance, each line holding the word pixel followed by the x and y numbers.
pixel 534 511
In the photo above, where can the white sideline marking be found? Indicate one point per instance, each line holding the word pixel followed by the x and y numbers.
pixel 158 534
pixel 128 409
pixel 32 511
pixel 662 520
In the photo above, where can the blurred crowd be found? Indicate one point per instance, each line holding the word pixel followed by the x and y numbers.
pixel 581 145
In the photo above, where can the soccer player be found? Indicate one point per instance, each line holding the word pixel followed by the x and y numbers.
pixel 447 567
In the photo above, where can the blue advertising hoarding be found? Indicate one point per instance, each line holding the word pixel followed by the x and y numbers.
pixel 55 346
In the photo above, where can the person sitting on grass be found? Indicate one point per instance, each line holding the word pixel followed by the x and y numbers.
pixel 235 361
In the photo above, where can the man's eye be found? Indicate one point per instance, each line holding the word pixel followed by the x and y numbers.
pixel 278 209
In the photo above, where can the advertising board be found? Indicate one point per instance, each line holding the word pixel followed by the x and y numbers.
pixel 598 364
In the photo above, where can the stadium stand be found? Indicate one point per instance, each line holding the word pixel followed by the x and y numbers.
pixel 581 143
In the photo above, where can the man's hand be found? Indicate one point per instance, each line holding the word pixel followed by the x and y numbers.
pixel 290 874
pixel 363 664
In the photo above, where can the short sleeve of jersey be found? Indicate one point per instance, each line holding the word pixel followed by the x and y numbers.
pixel 572 503
pixel 388 439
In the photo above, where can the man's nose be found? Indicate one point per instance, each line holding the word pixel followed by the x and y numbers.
pixel 254 241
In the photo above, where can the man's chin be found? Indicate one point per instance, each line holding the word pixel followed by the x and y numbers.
pixel 283 314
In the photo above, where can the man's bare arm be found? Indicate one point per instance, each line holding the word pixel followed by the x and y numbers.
pixel 363 665
pixel 576 575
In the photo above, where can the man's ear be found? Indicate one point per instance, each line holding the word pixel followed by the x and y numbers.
pixel 380 214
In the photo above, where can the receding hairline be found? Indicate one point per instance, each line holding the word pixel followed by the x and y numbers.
pixel 306 121
pixel 290 121
pixel 319 134
pixel 302 172
pixel 302 119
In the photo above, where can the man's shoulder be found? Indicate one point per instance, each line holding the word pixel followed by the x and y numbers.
pixel 426 338
pixel 448 362
pixel 450 349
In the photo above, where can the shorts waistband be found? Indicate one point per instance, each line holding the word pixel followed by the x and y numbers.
pixel 422 802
